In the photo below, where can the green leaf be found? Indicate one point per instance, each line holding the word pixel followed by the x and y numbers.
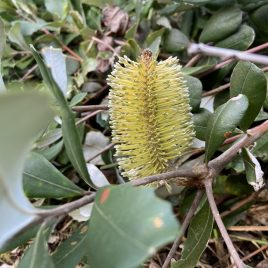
pixel 200 123
pixel 249 80
pixel 197 238
pixel 195 91
pixel 20 239
pixel 241 40
pixel 260 19
pixel 224 120
pixel 254 172
pixel 70 134
pixel 59 8
pixel 3 38
pixel 250 5
pixel 175 40
pixel 56 61
pixel 71 251
pixel 42 179
pixel 114 220
pixel 2 47
pixel 18 131
pixel 222 24
pixel 154 39
pixel 196 69
pixel 28 28
pixel 98 3
pixel 37 255
pixel 15 36
pixel 261 148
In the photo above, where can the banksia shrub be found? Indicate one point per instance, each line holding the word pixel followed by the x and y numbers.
pixel 150 114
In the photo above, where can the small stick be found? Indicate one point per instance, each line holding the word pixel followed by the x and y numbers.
pixel 87 117
pixel 87 108
pixel 193 60
pixel 252 254
pixel 216 214
pixel 184 227
pixel 109 146
pixel 248 228
pixel 238 205
pixel 94 38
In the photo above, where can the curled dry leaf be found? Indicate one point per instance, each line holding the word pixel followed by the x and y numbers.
pixel 115 19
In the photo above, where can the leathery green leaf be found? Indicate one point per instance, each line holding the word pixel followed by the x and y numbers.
pixel 222 24
pixel 42 179
pixel 225 119
pixel 133 238
pixel 197 237
pixel 70 134
pixel 249 80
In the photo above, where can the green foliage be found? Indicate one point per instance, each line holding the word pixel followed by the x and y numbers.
pixel 198 235
pixel 56 55
pixel 246 77
pixel 224 120
pixel 133 238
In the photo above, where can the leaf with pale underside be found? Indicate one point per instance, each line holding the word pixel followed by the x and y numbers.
pixel 70 134
pixel 254 172
pixel 18 131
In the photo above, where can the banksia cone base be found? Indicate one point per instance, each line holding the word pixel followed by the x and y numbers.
pixel 150 114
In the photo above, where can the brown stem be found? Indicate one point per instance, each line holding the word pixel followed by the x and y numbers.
pixel 87 117
pixel 64 47
pixel 252 135
pixel 193 60
pixel 216 214
pixel 184 227
pixel 86 108
pixel 216 90
pixel 109 146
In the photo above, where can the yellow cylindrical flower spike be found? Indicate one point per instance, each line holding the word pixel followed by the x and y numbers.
pixel 150 114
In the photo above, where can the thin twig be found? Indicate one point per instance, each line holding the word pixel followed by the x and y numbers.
pixel 87 108
pixel 216 90
pixel 223 87
pixel 216 214
pixel 199 171
pixel 238 205
pixel 252 254
pixel 224 52
pixel 108 147
pixel 97 40
pixel 66 208
pixel 64 47
pixel 193 60
pixel 248 228
pixel 83 119
pixel 252 135
pixel 28 72
pixel 184 227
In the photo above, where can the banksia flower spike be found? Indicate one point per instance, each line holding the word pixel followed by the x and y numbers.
pixel 150 114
